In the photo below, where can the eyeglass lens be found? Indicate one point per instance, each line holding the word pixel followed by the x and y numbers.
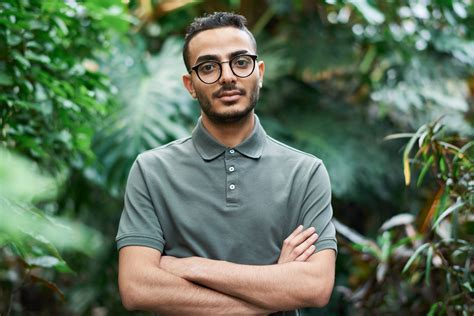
pixel 210 71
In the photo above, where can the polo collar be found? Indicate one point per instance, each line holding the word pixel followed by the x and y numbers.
pixel 209 148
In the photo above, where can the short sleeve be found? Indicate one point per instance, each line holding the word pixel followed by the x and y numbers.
pixel 316 208
pixel 139 223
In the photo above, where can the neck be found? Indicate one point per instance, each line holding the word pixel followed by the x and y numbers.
pixel 230 134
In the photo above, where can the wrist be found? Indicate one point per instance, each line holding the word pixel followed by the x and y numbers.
pixel 193 268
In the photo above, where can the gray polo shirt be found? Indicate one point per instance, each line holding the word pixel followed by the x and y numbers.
pixel 196 197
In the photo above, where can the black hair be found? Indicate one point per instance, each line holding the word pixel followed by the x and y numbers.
pixel 213 21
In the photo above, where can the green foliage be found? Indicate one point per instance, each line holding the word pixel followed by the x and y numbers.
pixel 83 101
pixel 394 68
pixel 317 128
pixel 155 108
pixel 51 94
pixel 411 254
pixel 411 63
pixel 422 64
pixel 29 239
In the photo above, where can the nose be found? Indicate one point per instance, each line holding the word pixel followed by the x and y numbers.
pixel 227 75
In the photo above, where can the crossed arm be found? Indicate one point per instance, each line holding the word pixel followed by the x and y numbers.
pixel 149 281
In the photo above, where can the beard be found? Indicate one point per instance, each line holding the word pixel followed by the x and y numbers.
pixel 229 116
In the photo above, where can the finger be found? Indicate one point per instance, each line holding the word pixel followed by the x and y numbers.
pixel 301 237
pixel 305 255
pixel 295 232
pixel 305 245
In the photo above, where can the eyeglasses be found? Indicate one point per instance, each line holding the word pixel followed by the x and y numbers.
pixel 210 72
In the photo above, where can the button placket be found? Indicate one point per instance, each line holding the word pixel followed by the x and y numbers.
pixel 232 183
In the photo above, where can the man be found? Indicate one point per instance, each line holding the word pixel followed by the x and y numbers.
pixel 227 221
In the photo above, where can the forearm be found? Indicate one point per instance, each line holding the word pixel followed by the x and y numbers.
pixel 145 286
pixel 282 287
pixel 168 294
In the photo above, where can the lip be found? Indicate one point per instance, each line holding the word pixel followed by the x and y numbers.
pixel 229 96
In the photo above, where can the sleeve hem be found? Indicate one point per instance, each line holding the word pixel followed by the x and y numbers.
pixel 140 241
pixel 326 244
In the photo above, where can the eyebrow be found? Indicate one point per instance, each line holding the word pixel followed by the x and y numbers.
pixel 216 58
pixel 237 53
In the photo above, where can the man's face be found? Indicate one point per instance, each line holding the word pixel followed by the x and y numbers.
pixel 230 98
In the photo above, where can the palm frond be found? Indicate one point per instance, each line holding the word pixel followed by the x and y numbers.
pixel 156 109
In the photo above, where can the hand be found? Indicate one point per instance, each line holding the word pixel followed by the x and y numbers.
pixel 299 245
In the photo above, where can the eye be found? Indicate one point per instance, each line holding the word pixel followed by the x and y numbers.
pixel 208 67
pixel 242 61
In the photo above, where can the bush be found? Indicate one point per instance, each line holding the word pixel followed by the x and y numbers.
pixel 421 264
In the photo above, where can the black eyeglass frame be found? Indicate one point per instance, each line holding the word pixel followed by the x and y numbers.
pixel 195 68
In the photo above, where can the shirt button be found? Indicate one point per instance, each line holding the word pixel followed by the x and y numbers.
pixel 231 169
pixel 232 151
pixel 232 186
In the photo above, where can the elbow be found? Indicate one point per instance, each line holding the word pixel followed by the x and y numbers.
pixel 128 304
pixel 321 300
pixel 321 297
pixel 130 300
pixel 318 300
pixel 134 295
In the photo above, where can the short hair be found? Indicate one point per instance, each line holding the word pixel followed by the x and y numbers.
pixel 214 21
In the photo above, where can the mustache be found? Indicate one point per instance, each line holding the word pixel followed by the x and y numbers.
pixel 227 87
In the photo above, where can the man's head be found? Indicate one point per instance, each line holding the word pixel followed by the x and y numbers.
pixel 214 21
pixel 224 73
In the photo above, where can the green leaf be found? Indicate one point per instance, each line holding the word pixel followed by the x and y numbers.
pixel 448 211
pixel 425 169
pixel 25 63
pixel 398 220
pixel 467 264
pixel 371 14
pixel 49 262
pixel 17 245
pixel 368 59
pixel 468 286
pixel 386 246
pixel 152 113
pixel 62 26
pixel 24 226
pixel 429 258
pixel 381 271
pixel 415 255
pixel 442 165
pixel 434 308
pixel 406 153
pixel 13 39
pixel 459 47
pixel 398 136
pixel 5 79
pixel 448 145
pixel 350 233
pixel 23 181
pixel 37 57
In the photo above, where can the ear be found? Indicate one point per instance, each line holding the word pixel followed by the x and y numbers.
pixel 261 72
pixel 188 84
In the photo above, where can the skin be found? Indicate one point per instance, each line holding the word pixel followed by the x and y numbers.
pixel 229 119
pixel 274 287
pixel 198 286
pixel 149 281
pixel 299 246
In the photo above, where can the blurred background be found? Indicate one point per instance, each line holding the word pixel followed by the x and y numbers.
pixel 381 91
